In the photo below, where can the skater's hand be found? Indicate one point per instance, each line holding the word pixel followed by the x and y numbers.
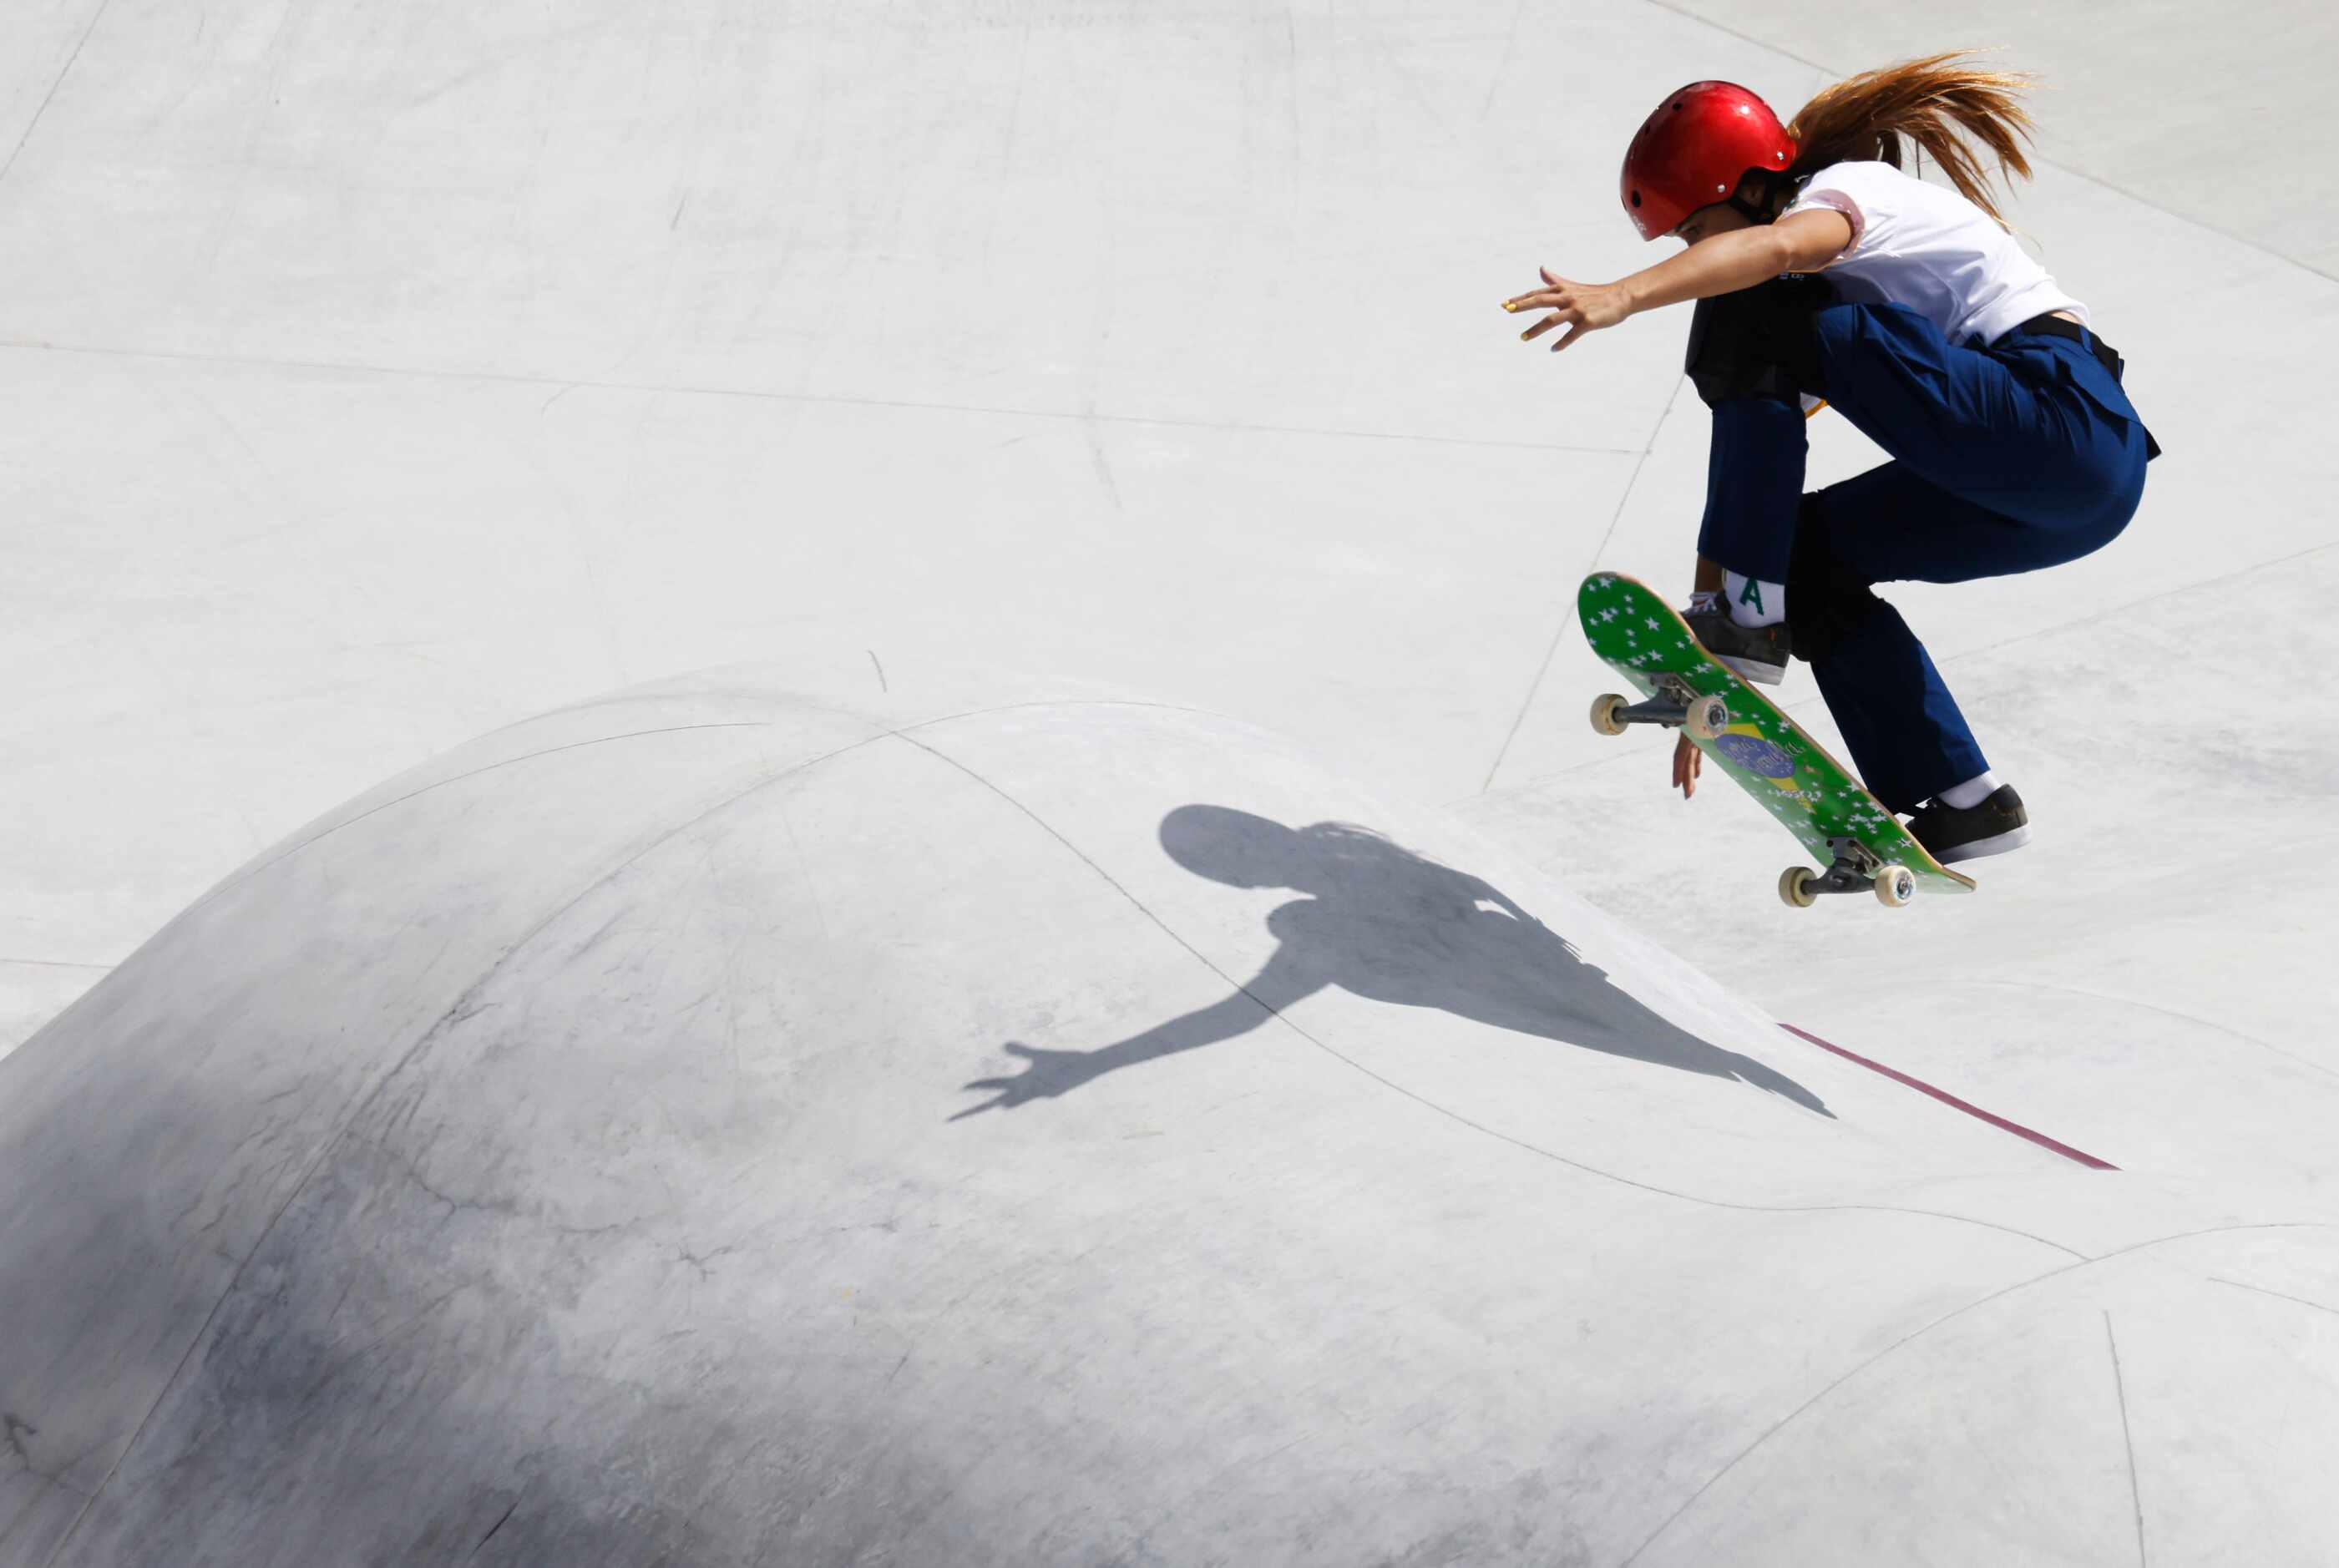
pixel 1687 761
pixel 1581 307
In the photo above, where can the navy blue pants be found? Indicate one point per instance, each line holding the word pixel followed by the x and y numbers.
pixel 2022 455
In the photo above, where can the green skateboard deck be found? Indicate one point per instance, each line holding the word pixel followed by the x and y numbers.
pixel 1858 844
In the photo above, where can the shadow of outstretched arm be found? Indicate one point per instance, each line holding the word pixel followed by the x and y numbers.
pixel 1049 1073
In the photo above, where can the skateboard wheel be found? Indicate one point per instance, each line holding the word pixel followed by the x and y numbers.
pixel 1795 887
pixel 1707 717
pixel 1895 885
pixel 1604 714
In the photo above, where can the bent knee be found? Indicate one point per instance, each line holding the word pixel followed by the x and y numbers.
pixel 2117 492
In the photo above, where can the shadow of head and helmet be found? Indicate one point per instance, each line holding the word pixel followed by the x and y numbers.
pixel 1382 923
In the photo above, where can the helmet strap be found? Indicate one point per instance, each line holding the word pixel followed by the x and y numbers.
pixel 1770 185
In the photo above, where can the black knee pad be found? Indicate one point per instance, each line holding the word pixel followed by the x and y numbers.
pixel 1826 601
pixel 1757 342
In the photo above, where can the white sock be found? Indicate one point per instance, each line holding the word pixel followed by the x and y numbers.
pixel 1971 793
pixel 1753 602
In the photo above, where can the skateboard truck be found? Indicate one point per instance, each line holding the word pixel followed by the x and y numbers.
pixel 1676 708
pixel 1856 869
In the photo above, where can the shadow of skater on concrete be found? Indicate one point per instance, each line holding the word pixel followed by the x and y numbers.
pixel 1388 924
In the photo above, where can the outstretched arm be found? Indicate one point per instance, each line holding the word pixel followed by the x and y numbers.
pixel 1049 1073
pixel 1721 265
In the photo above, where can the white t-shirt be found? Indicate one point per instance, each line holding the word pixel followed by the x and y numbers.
pixel 1931 250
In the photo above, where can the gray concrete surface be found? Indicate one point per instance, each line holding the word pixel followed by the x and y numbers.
pixel 715 1126
pixel 374 381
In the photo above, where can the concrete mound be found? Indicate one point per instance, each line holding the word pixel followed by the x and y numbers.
pixel 712 1127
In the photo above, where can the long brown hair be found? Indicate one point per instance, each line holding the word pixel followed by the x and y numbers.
pixel 1938 107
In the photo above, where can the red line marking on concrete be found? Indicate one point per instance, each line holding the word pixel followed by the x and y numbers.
pixel 1921 1087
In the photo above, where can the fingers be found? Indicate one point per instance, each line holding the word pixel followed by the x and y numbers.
pixel 1545 325
pixel 1687 762
pixel 1562 299
pixel 1558 291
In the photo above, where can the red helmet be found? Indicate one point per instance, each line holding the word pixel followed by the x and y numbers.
pixel 1693 151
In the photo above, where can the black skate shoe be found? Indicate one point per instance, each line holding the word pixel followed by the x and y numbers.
pixel 1759 654
pixel 1996 826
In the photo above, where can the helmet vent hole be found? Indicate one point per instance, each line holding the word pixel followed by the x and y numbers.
pixel 1636 198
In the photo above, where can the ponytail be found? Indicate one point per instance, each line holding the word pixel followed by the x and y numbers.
pixel 1939 106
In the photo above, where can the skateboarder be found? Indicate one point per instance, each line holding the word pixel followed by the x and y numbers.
pixel 1824 271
